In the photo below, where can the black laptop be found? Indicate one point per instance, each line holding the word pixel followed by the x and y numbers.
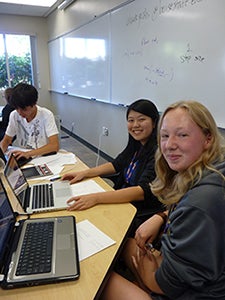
pixel 36 251
pixel 30 172
pixel 21 162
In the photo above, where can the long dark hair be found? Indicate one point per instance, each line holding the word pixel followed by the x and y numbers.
pixel 148 108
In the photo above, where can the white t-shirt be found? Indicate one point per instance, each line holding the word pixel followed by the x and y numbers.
pixel 34 134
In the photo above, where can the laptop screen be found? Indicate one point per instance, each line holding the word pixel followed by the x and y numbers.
pixel 7 221
pixel 15 176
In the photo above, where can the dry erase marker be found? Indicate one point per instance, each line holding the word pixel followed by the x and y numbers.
pixel 55 178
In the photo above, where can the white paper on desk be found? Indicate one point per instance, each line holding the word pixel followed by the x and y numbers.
pixel 91 240
pixel 55 159
pixel 86 187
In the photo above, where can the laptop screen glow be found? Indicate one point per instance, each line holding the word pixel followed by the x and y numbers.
pixel 15 176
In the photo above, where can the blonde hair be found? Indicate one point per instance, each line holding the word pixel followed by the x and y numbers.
pixel 169 185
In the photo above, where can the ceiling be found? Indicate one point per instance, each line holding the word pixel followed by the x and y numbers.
pixel 27 10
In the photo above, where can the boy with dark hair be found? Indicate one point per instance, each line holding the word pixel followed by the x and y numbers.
pixel 33 126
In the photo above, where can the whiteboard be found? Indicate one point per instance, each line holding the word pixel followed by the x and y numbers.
pixel 163 50
pixel 80 61
pixel 57 69
pixel 168 51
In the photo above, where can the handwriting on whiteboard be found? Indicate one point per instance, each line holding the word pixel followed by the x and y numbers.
pixel 155 74
pixel 159 10
pixel 144 43
pixel 189 56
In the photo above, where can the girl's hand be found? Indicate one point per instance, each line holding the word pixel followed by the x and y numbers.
pixel 146 263
pixel 82 202
pixel 148 231
pixel 74 176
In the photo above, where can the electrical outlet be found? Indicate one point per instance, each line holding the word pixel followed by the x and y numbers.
pixel 105 131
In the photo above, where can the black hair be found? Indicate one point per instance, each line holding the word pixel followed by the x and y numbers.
pixel 145 107
pixel 148 108
pixel 145 152
pixel 23 95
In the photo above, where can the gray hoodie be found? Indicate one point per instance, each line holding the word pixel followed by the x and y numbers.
pixel 193 246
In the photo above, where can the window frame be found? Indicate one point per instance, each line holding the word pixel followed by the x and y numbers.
pixel 33 52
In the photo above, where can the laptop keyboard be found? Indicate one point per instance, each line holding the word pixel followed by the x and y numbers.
pixel 36 252
pixel 42 196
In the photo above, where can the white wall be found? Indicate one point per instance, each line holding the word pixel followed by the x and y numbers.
pixel 12 24
pixel 77 14
pixel 89 117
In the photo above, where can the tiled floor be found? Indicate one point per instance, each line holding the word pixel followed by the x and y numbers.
pixel 89 157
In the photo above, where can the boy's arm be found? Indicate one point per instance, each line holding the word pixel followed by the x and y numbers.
pixel 5 142
pixel 52 146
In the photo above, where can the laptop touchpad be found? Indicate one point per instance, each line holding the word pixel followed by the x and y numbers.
pixel 63 241
pixel 62 189
pixel 59 193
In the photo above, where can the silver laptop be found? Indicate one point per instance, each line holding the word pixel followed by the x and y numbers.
pixel 37 197
pixel 36 251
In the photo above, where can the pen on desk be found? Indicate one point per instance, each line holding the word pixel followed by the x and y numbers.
pixel 55 178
